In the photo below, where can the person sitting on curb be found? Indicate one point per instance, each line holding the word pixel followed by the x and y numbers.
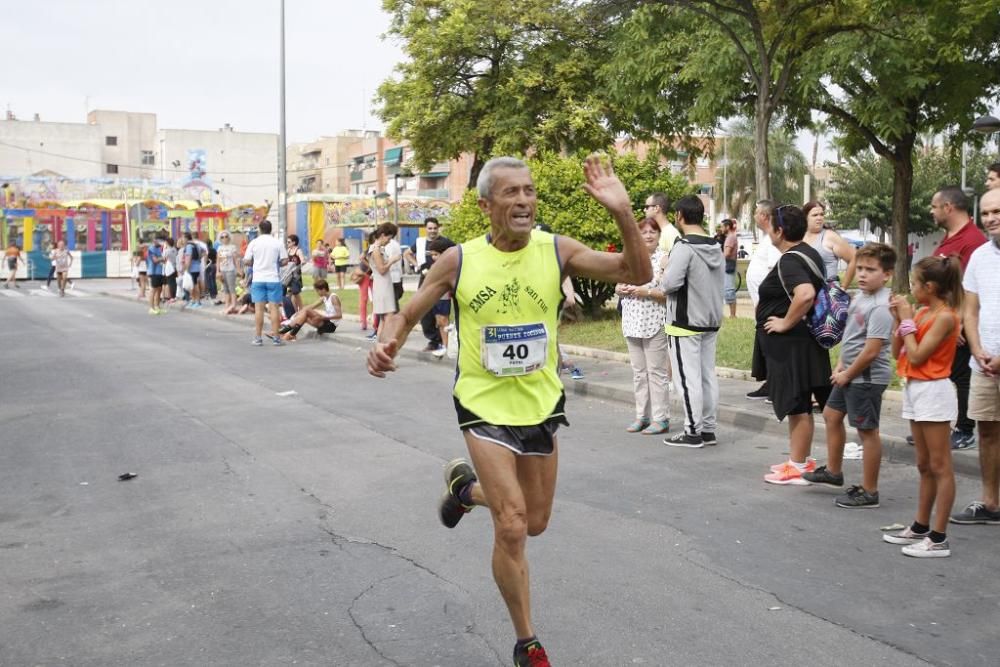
pixel 322 320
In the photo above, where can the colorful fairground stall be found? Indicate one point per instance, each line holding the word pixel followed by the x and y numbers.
pixel 103 234
pixel 351 217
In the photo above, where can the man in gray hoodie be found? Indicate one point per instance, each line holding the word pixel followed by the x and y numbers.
pixel 693 284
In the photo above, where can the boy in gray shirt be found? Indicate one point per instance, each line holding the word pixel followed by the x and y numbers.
pixel 860 379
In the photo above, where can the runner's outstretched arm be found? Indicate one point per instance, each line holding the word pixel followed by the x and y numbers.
pixel 440 280
pixel 632 265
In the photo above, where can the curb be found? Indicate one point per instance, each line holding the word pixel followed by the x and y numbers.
pixel 894 448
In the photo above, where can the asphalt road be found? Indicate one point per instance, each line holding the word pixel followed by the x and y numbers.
pixel 277 530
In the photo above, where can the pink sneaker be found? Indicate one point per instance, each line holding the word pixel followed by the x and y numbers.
pixel 787 474
pixel 810 465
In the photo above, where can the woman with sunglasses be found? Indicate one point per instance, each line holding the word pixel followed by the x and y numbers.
pixel 798 369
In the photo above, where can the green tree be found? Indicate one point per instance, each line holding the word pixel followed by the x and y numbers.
pixel 864 188
pixel 928 68
pixel 564 206
pixel 493 78
pixel 786 163
pixel 681 66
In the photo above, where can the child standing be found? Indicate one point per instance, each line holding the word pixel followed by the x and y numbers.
pixel 925 343
pixel 860 378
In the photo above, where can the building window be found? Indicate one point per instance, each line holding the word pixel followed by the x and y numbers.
pixel 111 168
pixel 148 158
pixel 110 141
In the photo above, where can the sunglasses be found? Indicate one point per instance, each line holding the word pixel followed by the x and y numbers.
pixel 780 221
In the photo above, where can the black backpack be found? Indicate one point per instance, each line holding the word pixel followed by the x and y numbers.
pixel 195 252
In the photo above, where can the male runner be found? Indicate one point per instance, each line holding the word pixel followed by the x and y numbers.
pixel 507 291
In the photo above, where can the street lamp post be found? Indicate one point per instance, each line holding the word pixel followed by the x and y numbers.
pixel 282 176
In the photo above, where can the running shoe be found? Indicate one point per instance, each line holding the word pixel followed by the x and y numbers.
pixel 531 655
pixel 810 465
pixel 963 439
pixel 576 374
pixel 440 351
pixel 657 427
pixel 853 451
pixel 927 549
pixel 257 341
pixel 154 311
pixel 788 474
pixel 372 337
pixel 976 513
pixel 910 441
pixel 684 440
pixel 823 477
pixel 457 474
pixel 857 498
pixel 430 347
pixel 708 438
pixel 758 394
pixel 637 426
pixel 905 536
pixel 276 341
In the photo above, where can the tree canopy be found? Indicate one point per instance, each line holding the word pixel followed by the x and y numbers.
pixel 493 78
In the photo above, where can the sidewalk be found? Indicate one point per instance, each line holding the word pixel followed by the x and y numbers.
pixel 608 376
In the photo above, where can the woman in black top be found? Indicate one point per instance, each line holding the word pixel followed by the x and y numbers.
pixel 798 369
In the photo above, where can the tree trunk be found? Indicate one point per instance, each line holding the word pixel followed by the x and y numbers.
pixel 477 166
pixel 762 175
pixel 902 190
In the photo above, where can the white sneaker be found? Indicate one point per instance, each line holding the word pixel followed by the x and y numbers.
pixel 927 549
pixel 905 536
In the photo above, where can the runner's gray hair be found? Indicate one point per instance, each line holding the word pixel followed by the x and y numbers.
pixel 484 184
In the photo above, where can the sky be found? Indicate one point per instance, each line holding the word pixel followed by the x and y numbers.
pixel 199 64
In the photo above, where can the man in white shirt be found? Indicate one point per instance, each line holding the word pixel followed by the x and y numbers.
pixel 266 255
pixel 982 330
pixel 763 260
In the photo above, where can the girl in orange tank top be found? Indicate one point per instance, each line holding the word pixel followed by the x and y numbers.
pixel 924 346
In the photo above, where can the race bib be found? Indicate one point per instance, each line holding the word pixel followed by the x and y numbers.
pixel 514 350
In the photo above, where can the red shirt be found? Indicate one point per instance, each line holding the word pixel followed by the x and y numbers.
pixel 962 243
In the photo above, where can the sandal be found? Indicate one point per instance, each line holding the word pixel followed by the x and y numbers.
pixel 657 427
pixel 637 426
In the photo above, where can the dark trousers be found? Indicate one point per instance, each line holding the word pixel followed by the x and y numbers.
pixel 431 331
pixel 210 283
pixel 961 375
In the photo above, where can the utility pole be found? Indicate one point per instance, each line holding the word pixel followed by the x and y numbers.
pixel 282 176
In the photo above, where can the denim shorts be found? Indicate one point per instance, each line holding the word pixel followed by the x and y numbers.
pixel 265 292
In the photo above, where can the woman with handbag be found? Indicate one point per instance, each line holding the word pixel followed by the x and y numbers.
pixel 798 369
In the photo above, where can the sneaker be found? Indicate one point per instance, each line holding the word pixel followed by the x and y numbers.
pixel 708 438
pixel 276 341
pixel 576 374
pixel 372 337
pixel 430 347
pixel 927 549
pixel 963 439
pixel 976 513
pixel 154 311
pixel 786 475
pixel 531 655
pixel 457 474
pixel 637 425
pixel 857 498
pixel 758 394
pixel 905 536
pixel 910 441
pixel 824 477
pixel 440 352
pixel 684 440
pixel 810 465
pixel 657 427
pixel 257 341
